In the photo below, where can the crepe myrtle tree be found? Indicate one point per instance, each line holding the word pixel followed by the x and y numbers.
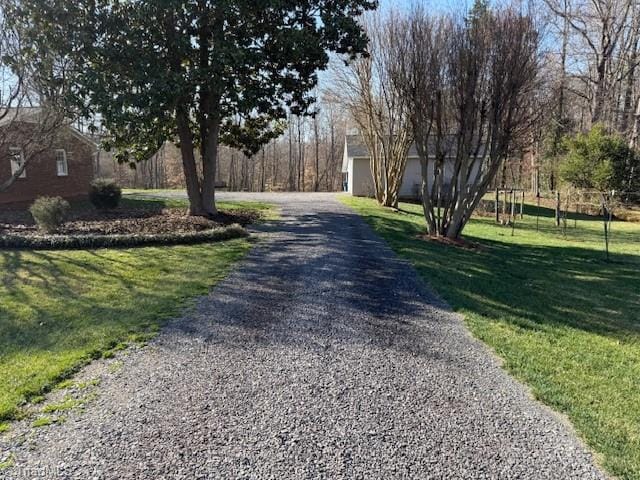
pixel 365 88
pixel 197 71
pixel 471 83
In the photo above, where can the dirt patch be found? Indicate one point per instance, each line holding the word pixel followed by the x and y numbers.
pixel 127 221
pixel 459 243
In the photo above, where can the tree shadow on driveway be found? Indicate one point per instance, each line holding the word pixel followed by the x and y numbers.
pixel 321 280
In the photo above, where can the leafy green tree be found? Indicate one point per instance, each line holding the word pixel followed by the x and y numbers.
pixel 480 10
pixel 554 147
pixel 597 160
pixel 199 71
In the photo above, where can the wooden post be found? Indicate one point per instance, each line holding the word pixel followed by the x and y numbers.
pixel 538 212
pixel 513 204
pixel 497 203
pixel 606 216
pixel 522 206
pixel 504 205
pixel 606 230
pixel 513 212
pixel 558 208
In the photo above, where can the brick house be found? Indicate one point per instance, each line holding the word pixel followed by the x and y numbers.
pixel 63 167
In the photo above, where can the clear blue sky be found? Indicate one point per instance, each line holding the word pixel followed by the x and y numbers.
pixel 452 6
pixel 445 5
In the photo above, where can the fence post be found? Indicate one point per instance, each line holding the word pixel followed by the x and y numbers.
pixel 505 205
pixel 513 212
pixel 558 208
pixel 497 203
pixel 513 205
pixel 606 230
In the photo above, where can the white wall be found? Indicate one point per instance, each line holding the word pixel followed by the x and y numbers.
pixel 412 179
pixel 360 183
pixel 360 179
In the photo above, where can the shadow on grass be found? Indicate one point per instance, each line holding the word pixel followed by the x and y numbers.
pixel 60 309
pixel 532 286
pixel 60 292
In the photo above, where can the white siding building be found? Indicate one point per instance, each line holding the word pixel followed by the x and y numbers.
pixel 356 168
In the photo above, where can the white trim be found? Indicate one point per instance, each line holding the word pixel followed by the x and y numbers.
pixel 62 172
pixel 409 157
pixel 345 157
pixel 15 165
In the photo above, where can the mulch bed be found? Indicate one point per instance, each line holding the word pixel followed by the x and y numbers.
pixel 127 221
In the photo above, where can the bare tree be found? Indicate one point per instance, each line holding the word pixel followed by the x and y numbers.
pixel 471 86
pixel 300 125
pixel 381 115
pixel 280 165
pixel 291 178
pixel 31 111
pixel 334 117
pixel 635 131
pixel 316 144
pixel 603 36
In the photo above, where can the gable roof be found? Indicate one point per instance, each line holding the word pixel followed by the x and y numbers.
pixel 355 148
pixel 21 114
pixel 33 115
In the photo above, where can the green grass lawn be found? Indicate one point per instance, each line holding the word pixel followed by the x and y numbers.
pixel 564 320
pixel 267 211
pixel 59 310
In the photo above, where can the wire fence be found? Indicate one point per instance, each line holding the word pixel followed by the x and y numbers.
pixel 568 206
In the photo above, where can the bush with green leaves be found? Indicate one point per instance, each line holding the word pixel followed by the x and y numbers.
pixel 105 194
pixel 49 213
pixel 601 161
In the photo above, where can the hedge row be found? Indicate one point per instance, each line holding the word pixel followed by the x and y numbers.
pixel 71 242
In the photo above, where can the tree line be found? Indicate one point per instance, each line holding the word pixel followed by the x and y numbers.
pixel 461 87
pixel 235 90
pixel 307 157
pixel 592 85
pixel 199 73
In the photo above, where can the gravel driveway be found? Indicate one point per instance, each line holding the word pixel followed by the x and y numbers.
pixel 322 356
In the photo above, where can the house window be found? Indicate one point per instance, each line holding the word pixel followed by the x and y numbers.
pixel 61 163
pixel 17 159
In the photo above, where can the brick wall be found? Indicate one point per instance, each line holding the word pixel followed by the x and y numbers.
pixel 41 172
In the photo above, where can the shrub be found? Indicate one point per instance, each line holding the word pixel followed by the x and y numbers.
pixel 49 213
pixel 598 160
pixel 105 194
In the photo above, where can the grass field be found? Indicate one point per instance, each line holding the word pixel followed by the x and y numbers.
pixel 564 320
pixel 59 310
pixel 166 196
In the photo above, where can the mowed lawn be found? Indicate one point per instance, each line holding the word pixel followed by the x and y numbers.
pixel 564 320
pixel 60 309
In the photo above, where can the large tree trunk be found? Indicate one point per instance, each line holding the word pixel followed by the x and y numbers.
pixel 481 91
pixel 628 106
pixel 196 205
pixel 600 92
pixel 209 158
pixel 635 130
pixel 316 182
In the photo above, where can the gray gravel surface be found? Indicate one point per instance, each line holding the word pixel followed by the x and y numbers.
pixel 322 356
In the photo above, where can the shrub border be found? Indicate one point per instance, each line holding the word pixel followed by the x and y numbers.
pixel 81 242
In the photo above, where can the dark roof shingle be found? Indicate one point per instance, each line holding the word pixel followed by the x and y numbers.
pixel 357 148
